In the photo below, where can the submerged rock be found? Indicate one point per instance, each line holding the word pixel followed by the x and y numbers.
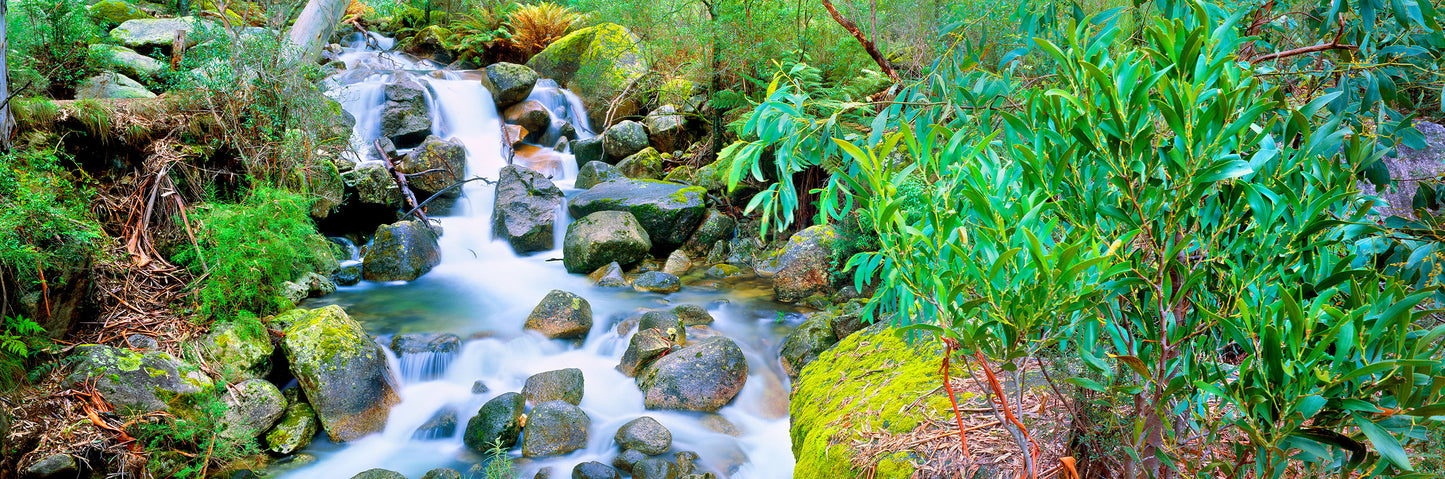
pixel 416 343
pixel 553 428
pixel 669 212
pixel 499 421
pixel 526 209
pixel 644 435
pixel 401 251
pixel 656 282
pixel 378 474
pixel 343 372
pixel 700 377
pixel 434 166
pixel 562 384
pixel 804 267
pixel 441 425
pixel 654 469
pixel 604 237
pixel 561 315
pixel 137 382
pixel 509 83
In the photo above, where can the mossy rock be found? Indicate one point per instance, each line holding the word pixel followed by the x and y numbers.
pixel 499 421
pixel 526 209
pixel 252 407
pixel 645 435
pixel 562 384
pixel 670 212
pixel 805 266
pixel 715 227
pixel 126 61
pixel 344 374
pixel 138 382
pixel 116 11
pixel 111 86
pixel 294 431
pixel 597 63
pixel 704 376
pixel 402 251
pixel 509 83
pixel 806 342
pixel 594 173
pixel 643 165
pixel 561 315
pixel 657 282
pixel 604 237
pixel 157 32
pixel 241 349
pixel 554 428
pixel 434 166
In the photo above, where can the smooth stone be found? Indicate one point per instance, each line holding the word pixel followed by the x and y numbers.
pixel 561 315
pixel 555 428
pixel 645 435
pixel 604 237
pixel 704 376
pixel 343 372
pixel 654 469
pixel 499 421
pixel 561 384
pixel 594 470
pixel 657 282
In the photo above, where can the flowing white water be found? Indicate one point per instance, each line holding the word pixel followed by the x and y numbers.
pixel 484 291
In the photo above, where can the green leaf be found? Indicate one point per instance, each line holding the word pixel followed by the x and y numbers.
pixel 1384 442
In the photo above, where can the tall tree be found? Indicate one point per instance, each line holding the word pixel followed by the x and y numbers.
pixel 7 122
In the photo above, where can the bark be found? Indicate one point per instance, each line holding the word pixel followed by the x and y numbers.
pixel 872 50
pixel 313 28
pixel 7 122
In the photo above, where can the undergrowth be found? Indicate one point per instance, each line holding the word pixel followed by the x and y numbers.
pixel 50 37
pixel 190 442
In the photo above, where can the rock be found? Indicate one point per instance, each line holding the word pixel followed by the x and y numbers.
pixel 724 271
pixel 665 126
pixel 116 12
pixel 156 32
pixel 373 185
pixel 435 165
pixel 126 61
pixel 677 263
pixel 594 173
pixel 294 292
pixel 562 384
pixel 720 425
pixel 323 182
pixel 516 135
pixel 588 150
pixel 656 282
pixel 594 470
pixel 609 276
pixel 597 63
pixel 442 473
pixel 509 83
pixel 643 165
pixel 137 382
pixel 348 274
pixel 315 284
pixel 344 374
pixel 681 174
pixel 849 319
pixel 654 469
pixel 252 407
pixel 526 212
pixel 531 115
pixel 676 91
pixel 692 315
pixel 561 315
pixel 668 211
pixel 645 435
pixel 804 268
pixel 499 421
pixel 111 85
pixel 603 237
pixel 58 466
pixel 294 431
pixel 378 474
pixel 139 342
pixel 624 139
pixel 555 427
pixel 627 459
pixel 401 251
pixel 480 387
pixel 665 321
pixel 240 349
pixel 704 376
pixel 543 473
pixel 644 347
pixel 686 462
pixel 406 116
pixel 805 343
pixel 715 227
pixel 440 426
pixel 421 343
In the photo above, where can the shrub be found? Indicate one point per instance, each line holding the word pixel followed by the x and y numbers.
pixel 537 25
pixel 52 38
pixel 20 340
pixel 186 443
pixel 44 219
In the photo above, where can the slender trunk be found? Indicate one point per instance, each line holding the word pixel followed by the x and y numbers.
pixel 313 28
pixel 868 46
pixel 7 122
pixel 715 83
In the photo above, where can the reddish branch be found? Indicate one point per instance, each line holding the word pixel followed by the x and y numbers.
pixel 1332 45
pixel 952 345
pixel 1000 401
pixel 401 183
pixel 867 45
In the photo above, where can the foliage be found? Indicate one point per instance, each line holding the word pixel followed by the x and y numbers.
pixel 20 340
pixel 193 430
pixel 51 38
pixel 44 219
pixel 534 26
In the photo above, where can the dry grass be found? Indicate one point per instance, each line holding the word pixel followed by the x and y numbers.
pixel 537 25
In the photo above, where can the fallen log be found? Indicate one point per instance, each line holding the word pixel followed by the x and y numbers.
pixel 314 27
pixel 400 178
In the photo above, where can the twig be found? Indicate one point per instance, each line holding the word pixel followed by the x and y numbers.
pixel 401 183
pixel 444 190
pixel 950 345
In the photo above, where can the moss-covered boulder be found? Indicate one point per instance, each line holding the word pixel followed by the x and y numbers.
pixel 373 185
pixel 603 237
pixel 442 473
pixel 645 165
pixel 559 385
pixel 252 407
pixel 597 63
pixel 670 212
pixel 594 470
pixel 379 474
pixel 666 127
pixel 587 150
pixel 623 140
pixel 294 431
pixel 499 420
pixel 555 427
pixel 138 382
pixel 344 374
pixel 156 32
pixel 125 61
pixel 715 227
pixel 805 266
pixel 116 11
pixel 692 315
pixel 240 349
pixel 806 342
pixel 561 315
pixel 526 209
pixel 323 182
pixel 435 165
pixel 509 83
pixel 704 376
pixel 111 86
pixel 644 435
pixel 657 282
pixel 401 251
pixel 594 173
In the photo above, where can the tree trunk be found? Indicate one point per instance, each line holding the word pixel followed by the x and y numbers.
pixel 872 50
pixel 7 121
pixel 314 27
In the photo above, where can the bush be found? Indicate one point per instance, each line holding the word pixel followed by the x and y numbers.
pixel 185 444
pixel 44 219
pixel 20 340
pixel 52 38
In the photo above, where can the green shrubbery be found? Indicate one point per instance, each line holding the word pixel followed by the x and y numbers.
pixel 189 442
pixel 51 38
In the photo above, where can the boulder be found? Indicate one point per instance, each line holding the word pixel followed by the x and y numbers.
pixel 594 470
pixel 644 347
pixel 667 322
pixel 643 165
pixel 315 284
pixel 440 426
pixel 499 421
pixel 116 11
pixel 137 382
pixel 654 469
pixel 676 91
pixel 594 173
pixel 686 463
pixel 624 139
pixel 587 150
pixel 156 32
pixel 562 384
pixel 324 183
pixel 681 174
pixel 509 83
pixel 805 265
pixel 373 185
pixel 677 263
pixel 715 227
pixel 531 115
pixel 627 459
pixel 806 342
pixel 442 473
pixel 603 237
pixel 110 85
pixel 644 435
pixel 480 387
pixel 378 474
pixel 515 135
pixel 704 376
pixel 401 251
pixel 294 431
pixel 240 349
pixel 665 126
pixel 125 61
pixel 561 315
pixel 553 428
pixel 342 371
pixel 252 407
pixel 435 165
pixel 348 274
pixel 57 466
pixel 669 212
pixel 692 315
pixel 406 116
pixel 609 276
pixel 597 63
pixel 526 211
pixel 656 282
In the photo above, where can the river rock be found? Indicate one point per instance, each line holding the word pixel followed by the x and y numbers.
pixel 643 165
pixel 342 371
pixel 645 435
pixel 623 140
pixel 644 347
pixel 597 63
pixel 669 212
pixel 526 212
pixel 294 431
pixel 715 227
pixel 418 343
pixel 692 315
pixel 156 32
pixel 240 349
pixel 442 473
pixel 667 322
pixel 625 460
pixel 509 83
pixel 441 425
pixel 111 85
pixel 562 384
pixel 531 115
pixel 804 267
pixel 555 427
pixel 594 173
pixel 704 376
pixel 594 470
pixel 665 127
pixel 435 165
pixel 806 342
pixel 609 276
pixel 405 117
pixel 603 237
pixel 348 274
pixel 252 407
pixel 401 251
pixel 500 419
pixel 677 263
pixel 126 61
pixel 116 11
pixel 561 315
pixel 587 150
pixel 686 462
pixel 373 185
pixel 657 282
pixel 378 474
pixel 56 466
pixel 137 382
pixel 654 469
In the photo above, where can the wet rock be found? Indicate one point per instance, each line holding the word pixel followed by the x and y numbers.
pixel 509 83
pixel 110 85
pixel 543 473
pixel 720 425
pixel 609 276
pixel 724 271
pixel 435 165
pixel 597 63
pixel 686 462
pixel 116 11
pixel 442 473
pixel 406 117
pixel 499 421
pixel 654 469
pixel 849 319
pixel 373 185
pixel 559 385
pixel 594 173
pixel 588 150
pixel 156 32
pixel 805 343
pixel 692 315
pixel 401 251
pixel 516 135
pixel 125 61
pixel 531 115
pixel 441 425
pixel 681 174
pixel 624 139
pixel 804 267
pixel 668 211
pixel 665 126
pixel 704 376
pixel 603 237
pixel 594 470
pixel 667 322
pixel 480 388
pixel 294 431
pixel 644 347
pixel 58 466
pixel 137 382
pixel 715 227
pixel 417 343
pixel 644 165
pixel 316 285
pixel 561 315
pixel 293 292
pixel 627 459
pixel 526 212
pixel 645 435
pixel 553 428
pixel 348 274
pixel 378 474
pixel 323 182
pixel 343 373
pixel 677 263
pixel 656 282
pixel 252 407
pixel 241 349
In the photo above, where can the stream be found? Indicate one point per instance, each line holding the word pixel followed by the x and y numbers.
pixel 483 292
